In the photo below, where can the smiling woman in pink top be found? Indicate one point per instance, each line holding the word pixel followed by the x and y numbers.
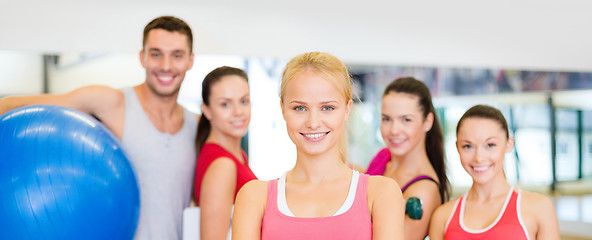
pixel 320 198
pixel 492 209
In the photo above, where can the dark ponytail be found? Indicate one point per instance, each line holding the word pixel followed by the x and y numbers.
pixel 203 131
pixel 204 127
pixel 434 141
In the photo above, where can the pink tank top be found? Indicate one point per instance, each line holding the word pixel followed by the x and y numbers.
pixel 507 225
pixel 355 223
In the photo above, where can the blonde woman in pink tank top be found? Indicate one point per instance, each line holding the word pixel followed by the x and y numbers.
pixel 492 209
pixel 320 198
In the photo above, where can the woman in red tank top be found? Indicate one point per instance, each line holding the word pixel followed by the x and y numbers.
pixel 492 209
pixel 222 166
pixel 316 98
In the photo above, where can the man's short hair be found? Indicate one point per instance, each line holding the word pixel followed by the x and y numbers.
pixel 171 24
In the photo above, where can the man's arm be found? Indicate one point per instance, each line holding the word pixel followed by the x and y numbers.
pixel 105 103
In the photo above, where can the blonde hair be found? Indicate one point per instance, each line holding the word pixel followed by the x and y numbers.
pixel 331 68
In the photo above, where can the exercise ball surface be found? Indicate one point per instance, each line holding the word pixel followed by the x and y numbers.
pixel 63 175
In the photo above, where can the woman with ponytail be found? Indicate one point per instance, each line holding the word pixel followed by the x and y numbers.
pixel 492 208
pixel 222 166
pixel 414 152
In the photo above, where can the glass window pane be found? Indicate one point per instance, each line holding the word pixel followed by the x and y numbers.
pixel 532 116
pixel 566 119
pixel 532 141
pixel 566 146
pixel 587 145
pixel 533 146
pixel 567 155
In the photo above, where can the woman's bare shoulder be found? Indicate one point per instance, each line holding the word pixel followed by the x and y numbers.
pixel 380 183
pixel 535 202
pixel 254 187
pixel 444 210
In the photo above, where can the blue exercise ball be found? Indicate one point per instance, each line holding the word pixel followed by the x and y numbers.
pixel 63 175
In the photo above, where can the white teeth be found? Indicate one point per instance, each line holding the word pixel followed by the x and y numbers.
pixel 316 135
pixel 238 123
pixel 397 141
pixel 165 78
pixel 481 169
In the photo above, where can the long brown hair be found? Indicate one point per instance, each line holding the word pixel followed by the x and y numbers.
pixel 204 126
pixel 434 141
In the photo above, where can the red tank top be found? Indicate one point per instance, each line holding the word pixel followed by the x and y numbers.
pixel 210 152
pixel 507 225
pixel 355 223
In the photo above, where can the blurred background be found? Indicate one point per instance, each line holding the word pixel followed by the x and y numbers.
pixel 531 59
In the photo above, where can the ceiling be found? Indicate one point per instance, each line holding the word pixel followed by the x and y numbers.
pixel 519 34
